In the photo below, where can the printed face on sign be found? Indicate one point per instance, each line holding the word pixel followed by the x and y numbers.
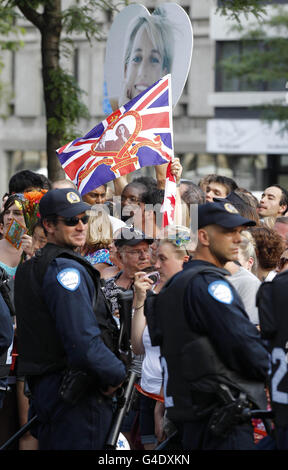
pixel 115 137
pixel 152 48
pixel 145 65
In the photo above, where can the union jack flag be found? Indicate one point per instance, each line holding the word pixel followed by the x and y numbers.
pixel 136 135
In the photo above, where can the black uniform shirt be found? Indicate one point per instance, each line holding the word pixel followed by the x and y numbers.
pixel 6 326
pixel 68 291
pixel 214 308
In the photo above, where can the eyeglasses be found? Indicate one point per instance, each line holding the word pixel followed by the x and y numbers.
pixel 130 199
pixel 138 252
pixel 73 221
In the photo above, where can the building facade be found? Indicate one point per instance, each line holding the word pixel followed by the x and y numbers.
pixel 216 128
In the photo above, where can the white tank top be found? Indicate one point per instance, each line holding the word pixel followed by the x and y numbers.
pixel 151 377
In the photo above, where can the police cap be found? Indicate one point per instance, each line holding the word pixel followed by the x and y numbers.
pixel 66 202
pixel 130 236
pixel 221 213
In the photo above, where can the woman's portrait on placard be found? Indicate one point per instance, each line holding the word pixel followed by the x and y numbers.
pixel 144 47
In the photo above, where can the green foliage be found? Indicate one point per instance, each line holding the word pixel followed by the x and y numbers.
pixel 81 19
pixel 65 92
pixel 63 97
pixel 264 59
pixel 9 31
pixel 279 112
pixel 233 8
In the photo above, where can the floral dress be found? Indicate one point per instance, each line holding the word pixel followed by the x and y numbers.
pixel 99 256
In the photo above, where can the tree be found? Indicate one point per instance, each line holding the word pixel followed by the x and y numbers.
pixel 62 95
pixel 263 61
pixel 233 8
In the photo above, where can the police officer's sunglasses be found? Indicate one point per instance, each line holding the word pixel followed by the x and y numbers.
pixel 73 221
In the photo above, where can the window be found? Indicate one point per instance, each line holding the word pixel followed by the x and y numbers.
pixel 225 81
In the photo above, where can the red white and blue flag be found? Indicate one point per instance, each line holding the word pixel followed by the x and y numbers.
pixel 169 203
pixel 138 134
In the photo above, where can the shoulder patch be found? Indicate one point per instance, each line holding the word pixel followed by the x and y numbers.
pixel 221 291
pixel 69 278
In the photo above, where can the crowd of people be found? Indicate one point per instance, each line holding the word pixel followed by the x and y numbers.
pixel 195 334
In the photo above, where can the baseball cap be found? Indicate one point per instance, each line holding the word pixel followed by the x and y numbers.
pixel 221 213
pixel 130 236
pixel 66 202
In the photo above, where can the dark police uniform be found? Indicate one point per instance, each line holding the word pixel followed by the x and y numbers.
pixel 66 338
pixel 272 305
pixel 6 340
pixel 58 330
pixel 6 332
pixel 207 306
pixel 207 342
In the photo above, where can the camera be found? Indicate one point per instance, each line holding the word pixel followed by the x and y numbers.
pixel 154 276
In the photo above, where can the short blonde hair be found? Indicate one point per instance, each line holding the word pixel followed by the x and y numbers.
pixel 248 249
pixel 99 233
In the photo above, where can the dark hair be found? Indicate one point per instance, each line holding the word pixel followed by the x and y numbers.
pixel 117 132
pixel 204 181
pixel 155 196
pixel 25 179
pixel 46 182
pixel 247 196
pixel 50 218
pixel 136 184
pixel 193 194
pixel 227 182
pixel 243 203
pixel 37 224
pixel 148 181
pixel 10 201
pixel 1 223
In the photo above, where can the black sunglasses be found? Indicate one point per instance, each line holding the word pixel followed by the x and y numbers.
pixel 73 221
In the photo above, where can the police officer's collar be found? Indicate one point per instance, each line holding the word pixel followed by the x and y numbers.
pixel 199 262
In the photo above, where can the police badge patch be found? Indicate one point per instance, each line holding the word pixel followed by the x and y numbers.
pixel 230 208
pixel 221 291
pixel 72 197
pixel 69 278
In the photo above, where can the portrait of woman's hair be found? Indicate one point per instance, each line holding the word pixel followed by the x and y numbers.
pixel 122 130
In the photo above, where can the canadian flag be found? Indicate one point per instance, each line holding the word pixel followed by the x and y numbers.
pixel 169 202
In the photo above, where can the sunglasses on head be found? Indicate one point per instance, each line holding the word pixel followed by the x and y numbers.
pixel 73 221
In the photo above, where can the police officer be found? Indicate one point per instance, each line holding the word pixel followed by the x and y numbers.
pixel 212 356
pixel 6 338
pixel 272 300
pixel 67 335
